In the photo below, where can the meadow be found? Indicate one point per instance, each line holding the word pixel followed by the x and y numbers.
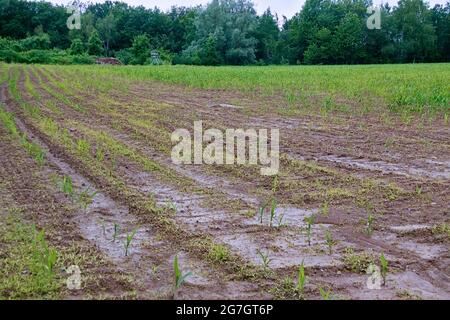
pixel 87 181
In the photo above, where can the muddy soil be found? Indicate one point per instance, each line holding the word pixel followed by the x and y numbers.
pixel 419 259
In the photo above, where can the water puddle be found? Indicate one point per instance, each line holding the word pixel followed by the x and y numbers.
pixel 386 167
pixel 409 228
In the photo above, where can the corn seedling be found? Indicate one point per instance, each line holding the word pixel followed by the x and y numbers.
pixel 325 294
pixel 45 255
pixel 180 278
pixel 280 220
pixel 116 231
pixel 384 268
pixel 330 241
pixel 309 223
pixel 369 224
pixel 265 259
pixel 261 212
pixel 273 210
pixel 102 224
pixel 301 280
pixel 128 239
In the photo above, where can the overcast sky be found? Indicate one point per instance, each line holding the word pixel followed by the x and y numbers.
pixel 282 7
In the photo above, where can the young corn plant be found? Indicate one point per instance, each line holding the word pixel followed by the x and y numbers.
pixel 384 268
pixel 265 259
pixel 369 224
pixel 273 210
pixel 116 231
pixel 180 278
pixel 128 239
pixel 301 280
pixel 329 241
pixel 280 220
pixel 325 294
pixel 45 255
pixel 309 223
pixel 261 212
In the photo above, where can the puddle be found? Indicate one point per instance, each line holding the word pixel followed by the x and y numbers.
pixel 386 167
pixel 409 228
pixel 413 283
pixel 283 216
pixel 286 250
pixel 424 251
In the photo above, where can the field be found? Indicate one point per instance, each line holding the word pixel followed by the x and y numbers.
pixel 87 180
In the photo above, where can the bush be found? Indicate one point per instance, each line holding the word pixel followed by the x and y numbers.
pixel 38 56
pixel 77 47
pixel 45 57
pixel 125 56
pixel 10 56
pixel 140 49
pixel 40 42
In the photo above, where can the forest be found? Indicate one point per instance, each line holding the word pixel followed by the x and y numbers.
pixel 225 32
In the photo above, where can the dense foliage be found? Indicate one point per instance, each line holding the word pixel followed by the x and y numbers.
pixel 225 32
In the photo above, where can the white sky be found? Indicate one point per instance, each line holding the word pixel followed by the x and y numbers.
pixel 282 7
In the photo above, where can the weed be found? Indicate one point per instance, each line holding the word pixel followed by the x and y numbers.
pixel 369 224
pixel 66 186
pixel 33 150
pixel 419 190
pixel 389 142
pixel 442 229
pixel 83 147
pixel 171 206
pixel 218 253
pixel 86 198
pixel 325 209
pixel 99 154
pixel 384 268
pixel 265 259
pixel 28 263
pixel 357 262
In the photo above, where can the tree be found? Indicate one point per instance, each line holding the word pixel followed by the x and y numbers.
pixel 95 44
pixel 107 31
pixel 140 49
pixel 415 38
pixel 232 25
pixel 347 45
pixel 77 47
pixel 267 35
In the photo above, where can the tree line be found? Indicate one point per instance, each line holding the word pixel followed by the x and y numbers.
pixel 225 32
